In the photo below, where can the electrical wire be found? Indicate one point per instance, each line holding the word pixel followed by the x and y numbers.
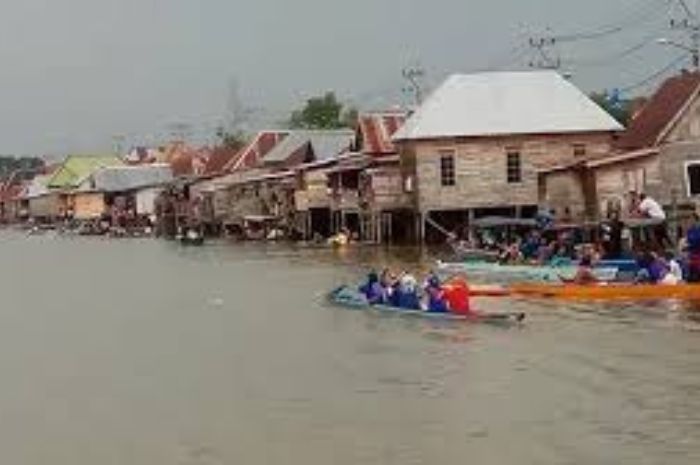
pixel 610 59
pixel 676 61
pixel 611 29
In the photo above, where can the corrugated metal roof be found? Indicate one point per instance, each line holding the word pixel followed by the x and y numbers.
pixel 294 142
pixel 258 147
pixel 129 178
pixel 76 168
pixel 329 144
pixel 376 130
pixel 324 144
pixel 37 187
pixel 504 103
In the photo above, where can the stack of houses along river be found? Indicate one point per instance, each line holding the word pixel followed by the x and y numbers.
pixel 481 146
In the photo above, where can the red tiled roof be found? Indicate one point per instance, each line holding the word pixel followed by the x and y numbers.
pixel 659 112
pixel 218 159
pixel 252 153
pixel 375 131
pixel 186 161
pixel 11 188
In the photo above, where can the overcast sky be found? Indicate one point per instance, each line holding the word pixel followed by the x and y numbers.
pixel 75 73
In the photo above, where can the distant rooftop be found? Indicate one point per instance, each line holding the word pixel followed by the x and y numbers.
pixel 668 101
pixel 325 144
pixel 129 178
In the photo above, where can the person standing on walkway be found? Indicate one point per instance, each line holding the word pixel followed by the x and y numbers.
pixel 650 208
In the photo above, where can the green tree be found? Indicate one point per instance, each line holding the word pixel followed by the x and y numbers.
pixel 231 139
pixel 324 112
pixel 620 109
pixel 25 167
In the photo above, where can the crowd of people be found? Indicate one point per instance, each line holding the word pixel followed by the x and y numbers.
pixel 657 260
pixel 403 291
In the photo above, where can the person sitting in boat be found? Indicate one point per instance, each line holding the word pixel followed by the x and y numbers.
pixel 510 254
pixel 675 270
pixel 388 282
pixel 437 302
pixel 531 246
pixel 405 294
pixel 584 273
pixel 373 290
pixel 692 239
pixel 652 269
pixel 456 293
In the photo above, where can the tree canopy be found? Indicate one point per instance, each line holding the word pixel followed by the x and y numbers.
pixel 25 167
pixel 323 112
pixel 234 140
pixel 618 108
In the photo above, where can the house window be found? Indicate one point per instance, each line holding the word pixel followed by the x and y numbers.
pixel 579 150
pixel 514 168
pixel 692 173
pixel 447 169
pixel 634 180
pixel 408 184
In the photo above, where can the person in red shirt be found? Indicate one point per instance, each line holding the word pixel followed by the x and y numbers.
pixel 456 293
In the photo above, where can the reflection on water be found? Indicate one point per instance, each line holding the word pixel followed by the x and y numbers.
pixel 143 352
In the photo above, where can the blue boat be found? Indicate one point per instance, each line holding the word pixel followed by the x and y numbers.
pixel 350 298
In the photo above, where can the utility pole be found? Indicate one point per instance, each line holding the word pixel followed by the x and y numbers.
pixel 546 55
pixel 179 131
pixel 413 76
pixel 689 25
pixel 118 141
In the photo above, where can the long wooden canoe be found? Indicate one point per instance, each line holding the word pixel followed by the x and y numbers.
pixel 348 297
pixel 607 291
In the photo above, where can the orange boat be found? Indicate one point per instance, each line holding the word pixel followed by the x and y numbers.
pixel 607 291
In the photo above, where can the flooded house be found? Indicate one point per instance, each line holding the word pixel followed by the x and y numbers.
pixel 12 205
pixel 43 205
pixel 359 190
pixel 127 194
pixel 64 186
pixel 474 148
pixel 261 195
pixel 659 154
pixel 387 213
pixel 211 199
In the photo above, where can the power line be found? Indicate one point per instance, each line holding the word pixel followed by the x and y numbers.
pixel 690 26
pixel 676 61
pixel 512 56
pixel 686 9
pixel 606 60
pixel 646 15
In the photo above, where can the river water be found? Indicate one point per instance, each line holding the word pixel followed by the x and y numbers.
pixel 147 353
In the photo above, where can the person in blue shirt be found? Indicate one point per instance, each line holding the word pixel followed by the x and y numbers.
pixel 436 296
pixel 693 243
pixel 652 269
pixel 373 289
pixel 531 246
pixel 405 293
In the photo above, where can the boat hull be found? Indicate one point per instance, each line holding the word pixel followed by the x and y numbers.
pixel 347 297
pixel 608 292
pixel 526 272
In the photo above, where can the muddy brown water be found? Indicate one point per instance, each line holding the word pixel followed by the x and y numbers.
pixel 146 353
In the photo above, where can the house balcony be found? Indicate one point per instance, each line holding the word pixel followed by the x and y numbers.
pixel 346 199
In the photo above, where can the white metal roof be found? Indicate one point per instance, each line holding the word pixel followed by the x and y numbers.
pixel 500 103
